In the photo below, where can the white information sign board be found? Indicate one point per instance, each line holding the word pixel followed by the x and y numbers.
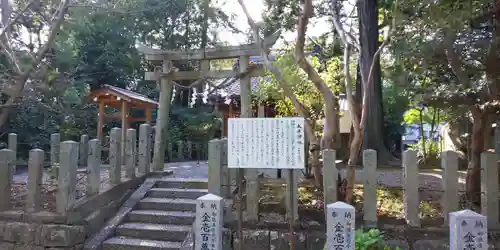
pixel 273 143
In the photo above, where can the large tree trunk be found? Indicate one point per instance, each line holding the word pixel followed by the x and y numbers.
pixel 480 126
pixel 369 36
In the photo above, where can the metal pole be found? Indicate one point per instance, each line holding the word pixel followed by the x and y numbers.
pixel 240 207
pixel 290 204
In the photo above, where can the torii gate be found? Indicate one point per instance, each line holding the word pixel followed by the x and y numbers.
pixel 169 74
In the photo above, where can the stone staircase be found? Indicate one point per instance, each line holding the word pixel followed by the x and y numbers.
pixel 162 219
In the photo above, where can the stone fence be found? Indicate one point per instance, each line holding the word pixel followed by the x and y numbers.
pixel 178 151
pixel 59 211
pixel 221 179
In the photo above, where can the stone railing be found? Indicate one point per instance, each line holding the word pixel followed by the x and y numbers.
pixel 60 208
pixel 179 151
pixel 186 151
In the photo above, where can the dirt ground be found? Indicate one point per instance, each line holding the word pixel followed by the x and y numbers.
pixel 49 188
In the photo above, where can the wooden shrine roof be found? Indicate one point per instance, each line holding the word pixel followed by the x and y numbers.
pixel 134 99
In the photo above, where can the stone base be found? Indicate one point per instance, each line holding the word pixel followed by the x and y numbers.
pixel 12 246
pixel 314 240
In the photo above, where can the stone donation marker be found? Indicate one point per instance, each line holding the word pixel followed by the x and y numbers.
pixel 340 226
pixel 208 226
pixel 468 230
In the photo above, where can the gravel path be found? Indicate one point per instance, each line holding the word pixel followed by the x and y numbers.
pixel 189 169
pixel 428 179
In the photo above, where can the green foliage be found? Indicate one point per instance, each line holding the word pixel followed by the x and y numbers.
pixel 395 102
pixel 96 46
pixel 430 115
pixel 304 89
pixel 419 46
pixel 194 124
pixel 428 151
pixel 371 240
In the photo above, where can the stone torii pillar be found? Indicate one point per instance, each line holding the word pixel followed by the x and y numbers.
pixel 162 118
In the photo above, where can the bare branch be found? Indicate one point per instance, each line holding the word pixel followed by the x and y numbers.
pixel 287 90
pixel 348 88
pixel 20 81
pixel 61 11
pixel 11 22
pixel 7 51
pixel 299 50
pixel 454 59
pixel 346 37
pixel 330 130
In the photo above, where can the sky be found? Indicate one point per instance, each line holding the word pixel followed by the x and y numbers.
pixel 255 7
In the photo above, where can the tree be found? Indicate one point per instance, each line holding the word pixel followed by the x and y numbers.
pixel 359 121
pixel 24 60
pixel 368 14
pixel 331 106
pixel 457 49
pixel 96 45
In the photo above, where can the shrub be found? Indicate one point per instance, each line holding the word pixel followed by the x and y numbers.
pixel 370 240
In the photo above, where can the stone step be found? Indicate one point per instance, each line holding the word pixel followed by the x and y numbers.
pixel 167 204
pixel 182 183
pixel 162 217
pixel 182 193
pixel 124 243
pixel 153 231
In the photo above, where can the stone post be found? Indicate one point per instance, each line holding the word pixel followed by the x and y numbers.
pixel 330 173
pixel 198 151
pixel 170 153
pixel 496 137
pixel 35 174
pixel 208 224
pixel 105 149
pixel 291 192
pixel 66 191
pixel 166 88
pixel 449 164
pixel 55 141
pixel 180 150
pixel 189 150
pixel 225 171
pixel 144 148
pixel 94 168
pixel 84 148
pixel 370 188
pixel 130 152
pixel 468 230
pixel 5 179
pixel 340 226
pixel 12 144
pixel 215 166
pixel 489 189
pixel 410 186
pixel 115 158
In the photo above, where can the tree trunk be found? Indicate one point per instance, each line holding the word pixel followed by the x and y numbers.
pixel 356 128
pixel 369 35
pixel 473 179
